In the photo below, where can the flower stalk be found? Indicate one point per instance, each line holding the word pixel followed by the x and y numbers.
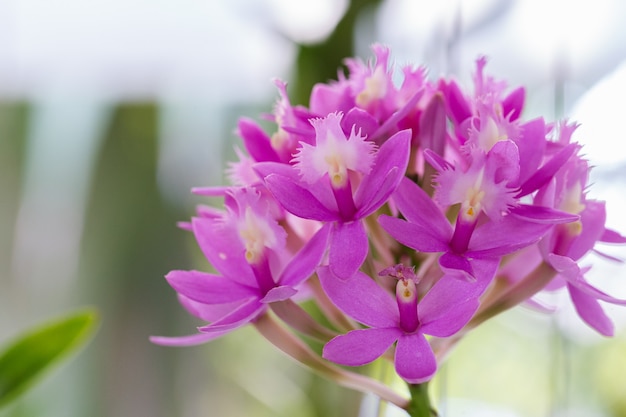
pixel 297 349
pixel 420 405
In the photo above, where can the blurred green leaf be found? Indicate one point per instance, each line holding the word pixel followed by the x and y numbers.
pixel 32 354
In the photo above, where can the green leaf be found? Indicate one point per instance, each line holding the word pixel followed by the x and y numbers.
pixel 33 353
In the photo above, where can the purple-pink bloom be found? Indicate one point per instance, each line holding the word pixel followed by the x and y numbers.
pixel 369 87
pixel 490 127
pixel 488 117
pixel 427 229
pixel 487 113
pixel 442 312
pixel 334 155
pixel 370 99
pixel 340 180
pixel 566 244
pixel 483 187
pixel 292 128
pixel 246 246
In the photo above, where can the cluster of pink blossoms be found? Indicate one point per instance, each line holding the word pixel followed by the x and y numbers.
pixel 398 211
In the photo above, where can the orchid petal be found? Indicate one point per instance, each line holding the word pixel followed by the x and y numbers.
pixel 484 272
pixel 298 200
pixel 611 236
pixel 393 120
pixel 184 226
pixel 433 124
pixel 540 214
pixel 513 104
pixel 325 97
pixel 208 212
pixel 451 262
pixel 557 283
pixel 207 288
pixel 256 141
pixel 592 218
pixel 457 107
pixel 303 133
pixel 414 360
pixel 359 347
pixel 589 310
pixel 495 239
pixel 208 312
pixel 223 249
pixel 413 235
pixel 348 248
pixel 581 284
pixel 448 306
pixel 280 293
pixel 607 256
pixel 365 123
pixel 391 163
pixel 419 208
pixel 386 186
pixel 436 161
pixel 547 171
pixel 263 169
pixel 503 161
pixel 191 340
pixel 361 298
pixel 321 190
pixel 307 259
pixel 540 306
pixel 241 316
pixel 531 148
pixel 570 270
pixel 564 265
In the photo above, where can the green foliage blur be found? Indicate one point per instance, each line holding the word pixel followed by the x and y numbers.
pixel 27 358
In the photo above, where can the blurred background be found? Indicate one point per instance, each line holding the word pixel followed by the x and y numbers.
pixel 111 110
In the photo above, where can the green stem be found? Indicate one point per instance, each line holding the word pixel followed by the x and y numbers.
pixel 420 401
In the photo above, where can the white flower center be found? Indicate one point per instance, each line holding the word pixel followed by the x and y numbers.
pixel 337 170
pixel 375 88
pixel 406 291
pixel 489 134
pixel 279 139
pixel 472 205
pixel 572 204
pixel 256 235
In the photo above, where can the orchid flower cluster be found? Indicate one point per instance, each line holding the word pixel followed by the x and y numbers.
pixel 407 213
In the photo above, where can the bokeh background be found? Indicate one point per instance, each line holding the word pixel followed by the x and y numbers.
pixel 111 110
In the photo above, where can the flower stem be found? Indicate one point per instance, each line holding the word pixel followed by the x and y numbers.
pixel 298 319
pixel 420 401
pixel 297 349
pixel 329 309
pixel 512 295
